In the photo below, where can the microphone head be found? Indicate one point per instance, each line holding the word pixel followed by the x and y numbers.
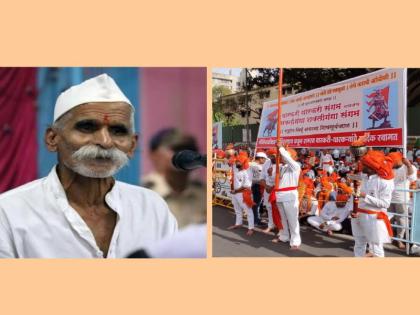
pixel 187 160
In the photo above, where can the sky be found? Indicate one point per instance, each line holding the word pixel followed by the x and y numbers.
pixel 235 71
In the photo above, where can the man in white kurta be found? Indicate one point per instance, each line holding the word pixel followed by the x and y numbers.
pixel 327 162
pixel 288 200
pixel 405 173
pixel 267 180
pixel 79 210
pixel 371 223
pixel 242 181
pixel 333 213
pixel 36 221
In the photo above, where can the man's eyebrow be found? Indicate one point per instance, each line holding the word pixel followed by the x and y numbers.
pixel 87 120
pixel 120 125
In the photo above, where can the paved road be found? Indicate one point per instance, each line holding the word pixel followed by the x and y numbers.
pixel 234 243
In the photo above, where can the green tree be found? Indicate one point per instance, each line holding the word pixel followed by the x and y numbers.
pixel 218 115
pixel 302 79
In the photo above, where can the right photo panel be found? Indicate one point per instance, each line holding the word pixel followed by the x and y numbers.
pixel 316 162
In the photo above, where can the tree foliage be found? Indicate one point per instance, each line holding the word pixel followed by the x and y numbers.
pixel 218 115
pixel 302 79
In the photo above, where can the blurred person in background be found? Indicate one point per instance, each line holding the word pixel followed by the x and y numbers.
pixel 186 197
pixel 405 173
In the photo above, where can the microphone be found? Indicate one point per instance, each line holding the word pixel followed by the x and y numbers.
pixel 187 160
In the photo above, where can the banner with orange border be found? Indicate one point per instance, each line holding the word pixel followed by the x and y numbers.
pixel 337 114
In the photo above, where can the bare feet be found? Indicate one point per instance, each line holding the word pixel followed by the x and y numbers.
pixel 267 230
pixel 329 232
pixel 232 227
pixel 275 240
pixel 294 247
pixel 400 245
pixel 369 255
pixel 250 232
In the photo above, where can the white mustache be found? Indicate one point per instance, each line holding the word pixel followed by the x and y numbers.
pixel 91 152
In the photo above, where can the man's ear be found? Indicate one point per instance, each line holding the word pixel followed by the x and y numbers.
pixel 133 145
pixel 51 139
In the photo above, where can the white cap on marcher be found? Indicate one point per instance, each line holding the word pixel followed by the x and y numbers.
pixel 261 154
pixel 98 89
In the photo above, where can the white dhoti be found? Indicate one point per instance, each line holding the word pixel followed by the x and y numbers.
pixel 267 205
pixel 289 212
pixel 368 229
pixel 239 206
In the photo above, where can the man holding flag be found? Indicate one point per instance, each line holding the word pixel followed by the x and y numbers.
pixel 286 197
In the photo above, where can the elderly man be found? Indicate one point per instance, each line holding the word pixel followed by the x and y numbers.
pixel 79 210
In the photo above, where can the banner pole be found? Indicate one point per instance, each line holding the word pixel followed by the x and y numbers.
pixel 278 127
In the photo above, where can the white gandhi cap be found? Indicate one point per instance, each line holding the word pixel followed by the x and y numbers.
pixel 98 89
pixel 261 154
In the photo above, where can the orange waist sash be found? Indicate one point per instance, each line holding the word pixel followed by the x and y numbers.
pixel 380 216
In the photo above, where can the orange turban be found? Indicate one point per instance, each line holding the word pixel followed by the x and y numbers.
pixel 326 184
pixel 361 141
pixel 271 151
pixel 243 153
pixel 334 177
pixel 396 157
pixel 220 154
pixel 345 188
pixel 342 198
pixel 243 160
pixel 381 164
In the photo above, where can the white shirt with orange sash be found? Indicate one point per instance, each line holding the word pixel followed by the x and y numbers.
pixel 378 199
pixel 289 178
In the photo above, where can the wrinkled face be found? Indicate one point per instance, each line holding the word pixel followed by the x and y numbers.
pixel 95 139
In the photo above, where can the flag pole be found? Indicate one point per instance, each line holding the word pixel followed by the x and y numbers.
pixel 277 179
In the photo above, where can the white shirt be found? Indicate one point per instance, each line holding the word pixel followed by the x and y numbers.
pixel 36 221
pixel 265 167
pixel 326 158
pixel 330 210
pixel 378 193
pixel 241 179
pixel 190 242
pixel 402 181
pixel 256 172
pixel 289 176
pixel 378 198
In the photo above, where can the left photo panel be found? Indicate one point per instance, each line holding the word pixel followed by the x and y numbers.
pixel 103 162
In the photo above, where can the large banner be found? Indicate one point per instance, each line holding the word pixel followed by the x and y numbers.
pixel 217 135
pixel 335 115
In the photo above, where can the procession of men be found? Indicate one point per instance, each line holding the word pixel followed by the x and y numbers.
pixel 333 191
